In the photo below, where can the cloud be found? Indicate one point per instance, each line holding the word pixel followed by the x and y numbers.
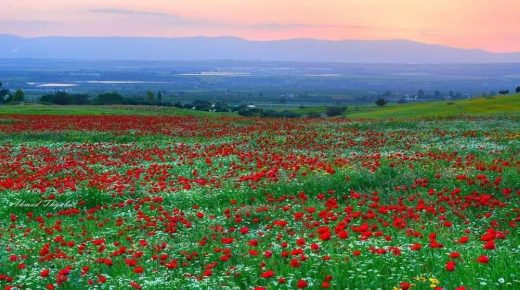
pixel 275 25
pixel 133 13
pixel 158 17
pixel 26 24
pixel 174 19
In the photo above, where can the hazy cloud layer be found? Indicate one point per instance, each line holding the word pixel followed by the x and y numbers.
pixel 26 24
pixel 133 13
pixel 202 22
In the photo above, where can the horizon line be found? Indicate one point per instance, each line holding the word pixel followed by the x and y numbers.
pixel 259 40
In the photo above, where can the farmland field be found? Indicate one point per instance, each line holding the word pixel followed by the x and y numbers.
pixel 224 202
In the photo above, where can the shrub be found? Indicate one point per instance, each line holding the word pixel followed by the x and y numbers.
pixel 109 99
pixel 335 111
pixel 63 98
pixel 381 102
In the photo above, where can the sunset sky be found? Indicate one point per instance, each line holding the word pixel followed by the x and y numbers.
pixel 488 24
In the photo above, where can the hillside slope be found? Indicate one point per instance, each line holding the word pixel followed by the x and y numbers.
pixel 489 106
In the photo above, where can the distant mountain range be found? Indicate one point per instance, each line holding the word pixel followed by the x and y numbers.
pixel 232 48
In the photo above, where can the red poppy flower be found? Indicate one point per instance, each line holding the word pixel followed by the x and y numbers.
pixel 483 259
pixel 325 284
pixel 490 245
pixel 295 263
pixel 463 240
pixel 405 285
pixel 138 270
pixel 227 240
pixel 44 273
pixel 454 255
pixel 450 266
pixel 415 247
pixel 302 284
pixel 268 274
pixel 135 285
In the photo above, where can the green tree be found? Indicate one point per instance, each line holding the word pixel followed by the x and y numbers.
pixel 201 105
pixel 18 96
pixel 3 92
pixel 221 107
pixel 517 89
pixel 245 112
pixel 159 98
pixel 150 97
pixel 381 102
pixel 335 111
pixel 109 99
pixel 420 94
pixel 58 98
pixel 451 94
pixel 63 98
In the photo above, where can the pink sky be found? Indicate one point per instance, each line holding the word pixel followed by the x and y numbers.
pixel 488 24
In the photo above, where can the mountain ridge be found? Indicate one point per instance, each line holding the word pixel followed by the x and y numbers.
pixel 235 48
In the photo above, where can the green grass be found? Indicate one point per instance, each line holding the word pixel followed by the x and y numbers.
pixel 490 106
pixel 427 153
pixel 37 109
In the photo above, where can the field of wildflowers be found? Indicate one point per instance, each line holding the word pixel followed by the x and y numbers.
pixel 180 202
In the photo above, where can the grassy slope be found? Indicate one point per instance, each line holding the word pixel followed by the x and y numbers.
pixel 36 109
pixel 495 106
pixel 491 106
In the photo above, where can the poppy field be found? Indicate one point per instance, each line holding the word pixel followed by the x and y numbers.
pixel 209 202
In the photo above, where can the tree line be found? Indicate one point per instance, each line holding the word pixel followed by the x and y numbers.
pixel 156 99
pixel 7 97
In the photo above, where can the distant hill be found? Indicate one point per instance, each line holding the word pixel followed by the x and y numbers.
pixel 232 48
pixel 485 106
